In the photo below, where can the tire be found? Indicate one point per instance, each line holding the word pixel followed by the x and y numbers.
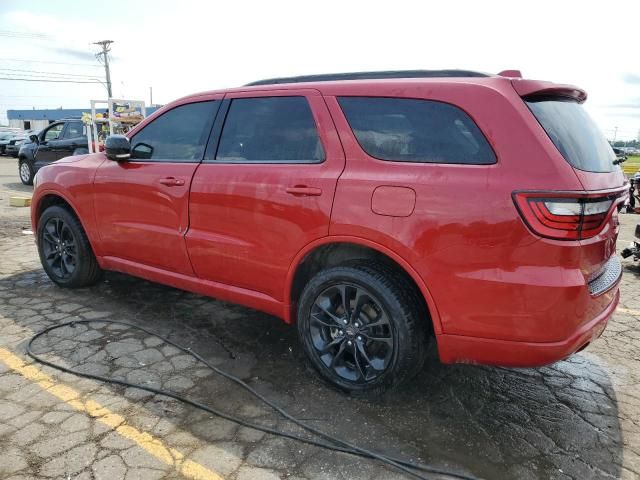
pixel 375 356
pixel 70 262
pixel 26 171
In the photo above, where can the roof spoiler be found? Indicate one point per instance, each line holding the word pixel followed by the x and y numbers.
pixel 538 88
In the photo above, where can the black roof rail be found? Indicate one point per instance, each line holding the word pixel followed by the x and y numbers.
pixel 328 77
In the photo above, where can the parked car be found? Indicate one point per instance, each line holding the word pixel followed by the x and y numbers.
pixel 4 141
pixel 60 139
pixel 16 141
pixel 477 212
pixel 621 156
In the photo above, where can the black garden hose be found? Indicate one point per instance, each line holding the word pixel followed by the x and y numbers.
pixel 329 442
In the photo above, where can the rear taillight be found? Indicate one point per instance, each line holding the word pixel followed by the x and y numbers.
pixel 564 215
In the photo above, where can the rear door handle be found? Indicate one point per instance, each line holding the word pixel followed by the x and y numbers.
pixel 304 191
pixel 172 181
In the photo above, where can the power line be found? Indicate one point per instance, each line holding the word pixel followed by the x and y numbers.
pixel 44 77
pixel 45 80
pixel 34 96
pixel 49 73
pixel 54 63
pixel 38 36
pixel 29 105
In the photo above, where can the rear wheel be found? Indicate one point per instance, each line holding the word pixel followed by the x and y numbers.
pixel 26 171
pixel 64 249
pixel 362 327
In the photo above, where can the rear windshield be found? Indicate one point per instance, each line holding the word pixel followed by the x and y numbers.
pixel 574 134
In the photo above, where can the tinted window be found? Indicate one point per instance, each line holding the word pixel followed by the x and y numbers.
pixel 178 135
pixel 408 130
pixel 574 134
pixel 272 129
pixel 54 132
pixel 74 130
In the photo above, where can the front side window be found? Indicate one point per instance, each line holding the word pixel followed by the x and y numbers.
pixel 411 130
pixel 54 132
pixel 270 130
pixel 178 135
pixel 74 130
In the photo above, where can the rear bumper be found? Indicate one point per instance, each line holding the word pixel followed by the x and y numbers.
pixel 464 349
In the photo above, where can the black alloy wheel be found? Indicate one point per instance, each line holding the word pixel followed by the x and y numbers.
pixel 351 332
pixel 65 252
pixel 59 248
pixel 363 327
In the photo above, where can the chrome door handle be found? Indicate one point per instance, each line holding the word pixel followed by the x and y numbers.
pixel 304 191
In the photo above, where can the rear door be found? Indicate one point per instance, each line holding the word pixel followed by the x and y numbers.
pixel 141 205
pixel 265 189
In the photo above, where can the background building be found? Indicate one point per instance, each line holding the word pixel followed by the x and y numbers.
pixel 39 119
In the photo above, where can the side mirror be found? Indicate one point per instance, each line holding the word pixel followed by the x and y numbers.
pixel 117 148
pixel 34 139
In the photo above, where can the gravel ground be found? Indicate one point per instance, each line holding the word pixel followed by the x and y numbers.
pixel 577 419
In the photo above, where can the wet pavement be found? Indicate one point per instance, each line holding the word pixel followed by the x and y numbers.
pixel 577 419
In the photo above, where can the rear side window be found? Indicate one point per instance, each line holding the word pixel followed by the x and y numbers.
pixel 270 130
pixel 574 134
pixel 178 135
pixel 410 130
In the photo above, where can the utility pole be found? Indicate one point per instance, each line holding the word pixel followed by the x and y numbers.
pixel 150 95
pixel 105 57
pixel 615 134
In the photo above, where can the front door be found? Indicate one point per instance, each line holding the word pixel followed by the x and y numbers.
pixel 265 190
pixel 45 151
pixel 72 138
pixel 142 205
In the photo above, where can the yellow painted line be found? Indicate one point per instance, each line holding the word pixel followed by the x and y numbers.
pixel 628 311
pixel 153 446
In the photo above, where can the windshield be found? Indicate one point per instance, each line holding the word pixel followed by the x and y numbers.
pixel 574 134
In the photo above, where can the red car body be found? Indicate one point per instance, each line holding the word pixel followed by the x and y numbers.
pixel 498 290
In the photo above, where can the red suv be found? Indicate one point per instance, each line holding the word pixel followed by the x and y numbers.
pixel 380 212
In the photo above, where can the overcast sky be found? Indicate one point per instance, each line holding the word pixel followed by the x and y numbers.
pixel 181 47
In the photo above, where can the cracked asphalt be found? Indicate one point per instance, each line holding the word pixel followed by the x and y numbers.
pixel 576 419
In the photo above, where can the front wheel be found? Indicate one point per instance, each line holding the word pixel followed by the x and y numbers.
pixel 363 327
pixel 64 249
pixel 26 171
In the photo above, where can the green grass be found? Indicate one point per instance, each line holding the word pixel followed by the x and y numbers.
pixel 632 165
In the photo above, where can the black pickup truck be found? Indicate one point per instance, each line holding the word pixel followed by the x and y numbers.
pixel 58 140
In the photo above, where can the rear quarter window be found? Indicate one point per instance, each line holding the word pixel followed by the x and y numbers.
pixel 574 133
pixel 412 130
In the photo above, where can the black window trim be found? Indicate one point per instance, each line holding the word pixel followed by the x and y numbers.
pixel 208 128
pixel 495 155
pixel 214 141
